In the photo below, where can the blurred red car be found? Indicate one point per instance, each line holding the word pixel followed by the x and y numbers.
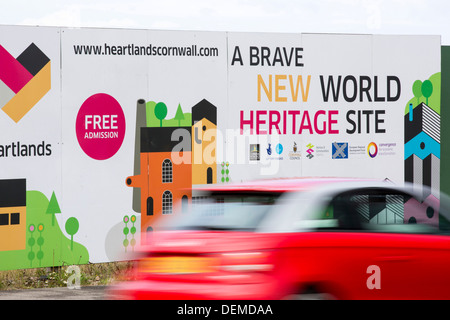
pixel 300 238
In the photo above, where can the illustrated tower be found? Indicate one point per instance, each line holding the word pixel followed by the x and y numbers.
pixel 204 134
pixel 160 179
pixel 422 159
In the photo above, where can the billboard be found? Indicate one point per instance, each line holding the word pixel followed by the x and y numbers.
pixel 327 105
pixel 105 130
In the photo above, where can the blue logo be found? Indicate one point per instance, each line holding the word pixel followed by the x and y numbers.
pixel 340 150
pixel 269 150
pixel 279 148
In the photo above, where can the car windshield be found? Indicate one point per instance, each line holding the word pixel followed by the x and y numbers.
pixel 243 212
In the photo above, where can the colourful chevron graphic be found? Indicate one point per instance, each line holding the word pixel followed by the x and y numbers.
pixel 310 151
pixel 23 80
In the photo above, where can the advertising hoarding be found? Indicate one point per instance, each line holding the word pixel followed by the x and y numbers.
pixel 104 130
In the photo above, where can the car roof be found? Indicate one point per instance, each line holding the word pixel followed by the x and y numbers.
pixel 279 185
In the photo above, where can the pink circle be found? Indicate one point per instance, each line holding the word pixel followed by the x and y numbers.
pixel 100 126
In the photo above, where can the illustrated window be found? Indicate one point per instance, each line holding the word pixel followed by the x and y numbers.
pixel 167 171
pixel 167 202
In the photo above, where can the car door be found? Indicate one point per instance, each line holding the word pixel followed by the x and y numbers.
pixel 392 243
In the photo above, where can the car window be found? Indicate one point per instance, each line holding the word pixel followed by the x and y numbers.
pixel 223 211
pixel 382 210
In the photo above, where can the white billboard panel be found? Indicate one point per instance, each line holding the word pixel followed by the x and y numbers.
pixel 102 130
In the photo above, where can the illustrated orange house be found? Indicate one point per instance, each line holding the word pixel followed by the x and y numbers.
pixel 163 181
pixel 12 214
pixel 204 134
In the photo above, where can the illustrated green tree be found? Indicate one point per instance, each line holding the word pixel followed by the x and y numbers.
pixel 417 89
pixel 427 89
pixel 72 226
pixel 53 207
pixel 179 115
pixel 160 112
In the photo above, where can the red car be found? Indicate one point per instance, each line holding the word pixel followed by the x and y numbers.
pixel 301 238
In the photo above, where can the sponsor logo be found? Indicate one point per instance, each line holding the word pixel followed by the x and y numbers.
pixel 254 152
pixel 294 155
pixel 273 153
pixel 310 151
pixel 372 149
pixel 24 80
pixel 279 148
pixel 387 149
pixel 269 150
pixel 340 150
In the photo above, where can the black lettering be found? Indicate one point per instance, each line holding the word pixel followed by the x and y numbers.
pixel 288 60
pixel 254 56
pixel 277 57
pixel 355 89
pixel 31 150
pixel 24 151
pixel 350 121
pixel 365 88
pixel 265 55
pixel 399 88
pixel 298 57
pixel 335 90
pixel 237 56
pixel 375 88
pixel 379 121
pixel 41 149
pixel 13 149
pixel 49 150
pixel 367 113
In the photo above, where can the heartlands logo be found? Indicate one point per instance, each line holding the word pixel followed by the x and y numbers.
pixel 23 80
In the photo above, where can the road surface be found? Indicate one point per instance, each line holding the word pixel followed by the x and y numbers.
pixel 61 293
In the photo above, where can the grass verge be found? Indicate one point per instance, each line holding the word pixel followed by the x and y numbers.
pixel 91 275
